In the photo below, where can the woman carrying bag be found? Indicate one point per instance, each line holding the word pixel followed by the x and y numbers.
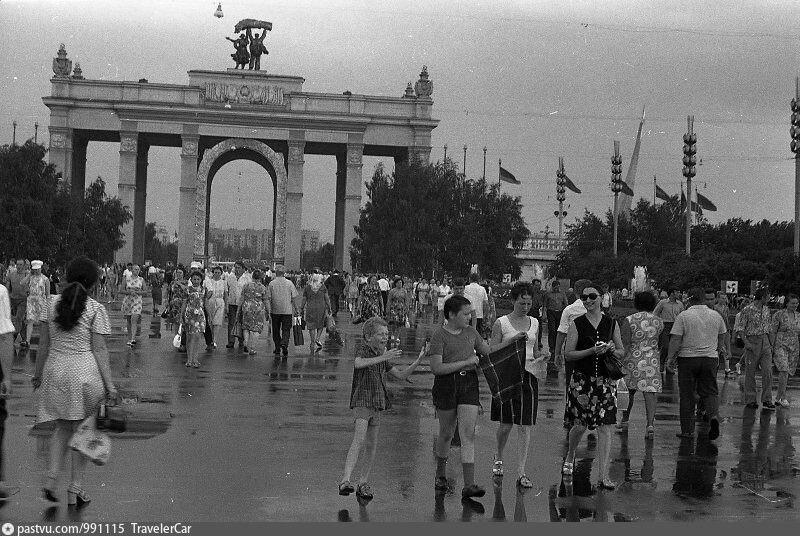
pixel 72 375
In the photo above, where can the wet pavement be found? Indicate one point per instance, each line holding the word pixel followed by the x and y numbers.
pixel 260 438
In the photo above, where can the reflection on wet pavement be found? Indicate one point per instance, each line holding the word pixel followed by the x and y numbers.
pixel 253 438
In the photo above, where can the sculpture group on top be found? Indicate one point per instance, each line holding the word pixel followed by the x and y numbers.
pixel 249 48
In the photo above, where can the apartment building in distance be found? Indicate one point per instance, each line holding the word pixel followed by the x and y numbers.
pixel 309 239
pixel 259 241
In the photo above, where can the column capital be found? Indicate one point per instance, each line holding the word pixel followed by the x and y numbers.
pixel 60 138
pixel 189 145
pixel 355 153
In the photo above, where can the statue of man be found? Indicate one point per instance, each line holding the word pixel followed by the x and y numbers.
pixel 256 49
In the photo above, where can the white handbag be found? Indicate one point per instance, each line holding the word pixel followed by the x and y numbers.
pixel 176 341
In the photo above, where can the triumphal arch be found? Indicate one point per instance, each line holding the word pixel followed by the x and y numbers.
pixel 220 116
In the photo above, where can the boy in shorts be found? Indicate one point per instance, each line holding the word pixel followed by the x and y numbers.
pixel 369 398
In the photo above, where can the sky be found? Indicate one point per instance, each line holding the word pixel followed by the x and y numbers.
pixel 528 80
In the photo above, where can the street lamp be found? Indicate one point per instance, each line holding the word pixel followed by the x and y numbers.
pixel 218 12
pixel 445 152
pixel 464 169
pixel 689 161
pixel 795 145
pixel 616 187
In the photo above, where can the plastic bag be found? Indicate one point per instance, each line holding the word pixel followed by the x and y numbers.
pixel 91 442
pixel 623 395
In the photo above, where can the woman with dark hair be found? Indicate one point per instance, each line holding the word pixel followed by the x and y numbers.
pixel 397 307
pixel 520 411
pixel 177 292
pixel 641 332
pixel 253 311
pixel 591 392
pixel 72 374
pixel 194 318
pixel 786 350
pixel 455 389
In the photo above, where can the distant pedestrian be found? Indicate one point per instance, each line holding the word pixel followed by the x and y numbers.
pixel 281 304
pixel 193 317
pixel 477 296
pixel 786 348
pixel 217 289
pixel 721 306
pixel 696 341
pixel 555 302
pixel 72 375
pixel 335 287
pixel 537 305
pixel 132 288
pixel 641 332
pixel 667 310
pixel 383 284
pixel 755 329
pixel 253 311
pixel 397 309
pixel 369 398
pixel 156 281
pixel 38 296
pixel 607 300
pixel 315 306
pixel 6 360
pixel 370 301
pixel 236 282
pixel 351 290
pixel 18 284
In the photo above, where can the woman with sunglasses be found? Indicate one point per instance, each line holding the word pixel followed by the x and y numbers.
pixel 591 393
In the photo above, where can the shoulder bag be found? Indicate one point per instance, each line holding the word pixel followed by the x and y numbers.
pixel 614 366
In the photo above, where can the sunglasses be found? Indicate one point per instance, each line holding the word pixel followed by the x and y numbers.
pixel 590 296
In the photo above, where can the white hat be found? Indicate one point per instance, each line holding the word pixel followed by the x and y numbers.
pixel 152 270
pixel 36 265
pixel 196 264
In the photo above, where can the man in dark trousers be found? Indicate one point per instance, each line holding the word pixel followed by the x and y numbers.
pixel 6 358
pixel 335 285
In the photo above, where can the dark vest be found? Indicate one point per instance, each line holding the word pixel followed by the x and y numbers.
pixel 587 337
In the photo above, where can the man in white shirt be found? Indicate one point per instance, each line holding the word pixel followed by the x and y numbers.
pixel 667 310
pixel 236 282
pixel 477 296
pixel 607 301
pixel 383 283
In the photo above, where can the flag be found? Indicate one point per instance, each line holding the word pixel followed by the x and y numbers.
pixel 705 203
pixel 506 176
pixel 626 190
pixel 661 194
pixel 571 185
pixel 695 206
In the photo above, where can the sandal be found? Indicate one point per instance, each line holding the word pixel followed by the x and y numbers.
pixel 524 482
pixel 346 488
pixel 622 427
pixel 567 468
pixel 607 483
pixel 497 468
pixel 196 364
pixel 188 364
pixel 650 433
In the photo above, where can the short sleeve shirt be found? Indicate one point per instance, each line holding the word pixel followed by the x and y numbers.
pixel 755 321
pixel 455 348
pixel 6 326
pixel 570 313
pixel 281 294
pixel 369 383
pixel 476 295
pixel 700 326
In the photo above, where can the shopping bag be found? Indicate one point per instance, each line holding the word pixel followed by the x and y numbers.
pixel 330 323
pixel 623 395
pixel 111 417
pixel 176 340
pixel 91 442
pixel 297 332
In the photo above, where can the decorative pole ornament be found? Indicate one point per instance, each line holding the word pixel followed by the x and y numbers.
pixel 795 146
pixel 689 161
pixel 561 196
pixel 218 12
pixel 616 187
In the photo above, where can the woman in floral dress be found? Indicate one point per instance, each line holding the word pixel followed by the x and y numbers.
pixel 176 294
pixel 253 311
pixel 591 394
pixel 640 334
pixel 132 288
pixel 194 318
pixel 370 301
pixel 786 328
pixel 38 294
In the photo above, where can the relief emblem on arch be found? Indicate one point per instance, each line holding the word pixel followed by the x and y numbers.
pixel 244 93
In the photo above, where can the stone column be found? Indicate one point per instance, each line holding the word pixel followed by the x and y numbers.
pixel 128 150
pixel 61 152
pixel 188 190
pixel 294 199
pixel 139 214
pixel 348 200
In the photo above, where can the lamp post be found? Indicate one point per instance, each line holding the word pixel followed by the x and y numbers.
pixel 616 187
pixel 689 161
pixel 36 132
pixel 14 135
pixel 484 162
pixel 445 152
pixel 561 195
pixel 796 150
pixel 464 169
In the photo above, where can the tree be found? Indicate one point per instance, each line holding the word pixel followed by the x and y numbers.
pixel 157 251
pixel 45 217
pixel 425 217
pixel 322 257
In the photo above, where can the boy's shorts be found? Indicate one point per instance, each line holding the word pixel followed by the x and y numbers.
pixel 452 390
pixel 371 415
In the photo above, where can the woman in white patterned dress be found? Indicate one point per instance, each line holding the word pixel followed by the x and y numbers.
pixel 72 374
pixel 640 334
pixel 132 288
pixel 38 294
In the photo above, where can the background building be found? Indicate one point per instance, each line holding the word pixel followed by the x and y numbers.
pixel 241 243
pixel 309 240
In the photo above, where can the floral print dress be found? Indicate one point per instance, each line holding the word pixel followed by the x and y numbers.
pixel 194 318
pixel 642 359
pixel 253 295
pixel 787 345
pixel 178 291
pixel 371 301
pixel 38 294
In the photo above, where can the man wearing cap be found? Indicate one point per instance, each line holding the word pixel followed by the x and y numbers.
pixel 281 295
pixel 38 294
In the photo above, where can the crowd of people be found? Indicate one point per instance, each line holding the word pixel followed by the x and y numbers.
pixel 601 355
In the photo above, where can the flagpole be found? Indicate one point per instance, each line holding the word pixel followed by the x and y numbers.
pixel 484 162
pixel 499 165
pixel 654 190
